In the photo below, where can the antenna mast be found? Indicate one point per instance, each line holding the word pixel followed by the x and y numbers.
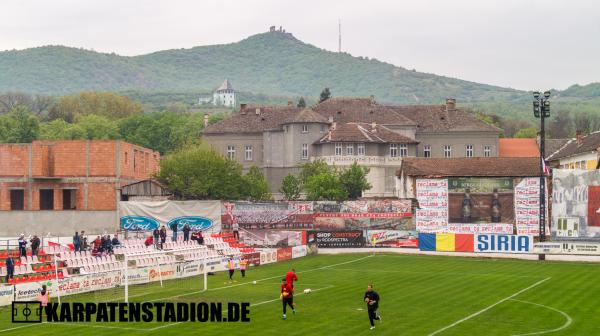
pixel 340 35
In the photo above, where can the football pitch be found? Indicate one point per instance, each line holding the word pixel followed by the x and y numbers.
pixel 420 295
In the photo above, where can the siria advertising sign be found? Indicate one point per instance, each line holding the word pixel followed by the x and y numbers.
pixel 196 223
pixel 138 223
pixel 503 243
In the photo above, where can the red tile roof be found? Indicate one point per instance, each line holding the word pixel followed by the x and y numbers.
pixel 518 147
pixel 363 132
pixel 469 167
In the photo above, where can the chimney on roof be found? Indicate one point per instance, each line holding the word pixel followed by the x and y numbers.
pixel 372 97
pixel 257 111
pixel 450 104
pixel 243 108
pixel 290 103
pixel 578 137
pixel 373 127
pixel 330 119
pixel 206 120
pixel 333 125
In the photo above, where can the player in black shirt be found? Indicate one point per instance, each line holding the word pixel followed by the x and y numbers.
pixel 372 300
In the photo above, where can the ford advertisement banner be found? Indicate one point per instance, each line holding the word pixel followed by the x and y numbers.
pixel 503 243
pixel 146 216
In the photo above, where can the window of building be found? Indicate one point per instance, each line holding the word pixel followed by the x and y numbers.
pixel 427 151
pixel 360 149
pixel 350 149
pixel 231 152
pixel 126 159
pixel 323 129
pixel 304 128
pixel 304 151
pixel 487 151
pixel 285 128
pixel 69 199
pixel 134 160
pixel 403 150
pixel 393 150
pixel 338 148
pixel 248 155
pixel 46 199
pixel 447 151
pixel 469 152
pixel 17 199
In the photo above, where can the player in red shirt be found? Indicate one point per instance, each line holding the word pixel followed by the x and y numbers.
pixel 290 277
pixel 287 297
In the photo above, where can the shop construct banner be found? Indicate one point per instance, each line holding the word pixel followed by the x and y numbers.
pixel 336 239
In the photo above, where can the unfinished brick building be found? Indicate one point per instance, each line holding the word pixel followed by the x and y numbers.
pixel 70 175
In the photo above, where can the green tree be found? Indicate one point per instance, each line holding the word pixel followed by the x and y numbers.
pixel 529 132
pixel 98 128
pixel 291 187
pixel 162 131
pixel 325 187
pixel 325 94
pixel 20 126
pixel 354 180
pixel 61 130
pixel 315 167
pixel 106 104
pixel 198 172
pixel 257 187
pixel 301 102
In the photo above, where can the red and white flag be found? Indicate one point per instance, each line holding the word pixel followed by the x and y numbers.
pixel 546 170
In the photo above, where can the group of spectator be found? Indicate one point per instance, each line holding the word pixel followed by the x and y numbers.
pixel 102 245
pixel 35 245
pixel 159 236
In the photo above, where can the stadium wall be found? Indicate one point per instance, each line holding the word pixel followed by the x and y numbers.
pixel 58 223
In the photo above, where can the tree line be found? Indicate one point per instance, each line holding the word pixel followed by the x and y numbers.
pixel 96 116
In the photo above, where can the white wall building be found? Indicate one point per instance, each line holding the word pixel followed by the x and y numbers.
pixel 225 95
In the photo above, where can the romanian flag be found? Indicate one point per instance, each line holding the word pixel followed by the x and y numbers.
pixel 446 242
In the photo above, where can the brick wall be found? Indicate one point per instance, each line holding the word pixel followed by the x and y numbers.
pixel 111 164
pixel 14 159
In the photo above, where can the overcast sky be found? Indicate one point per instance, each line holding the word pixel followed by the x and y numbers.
pixel 524 44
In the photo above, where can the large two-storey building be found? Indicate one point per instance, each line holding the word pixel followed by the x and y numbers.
pixel 343 130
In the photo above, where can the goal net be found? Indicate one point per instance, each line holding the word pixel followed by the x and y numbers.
pixel 136 273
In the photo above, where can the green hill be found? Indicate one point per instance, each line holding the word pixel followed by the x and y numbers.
pixel 274 63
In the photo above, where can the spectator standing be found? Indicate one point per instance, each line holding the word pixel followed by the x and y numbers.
pixel 115 241
pixel 186 232
pixel 77 241
pixel 35 245
pixel 236 227
pixel 174 229
pixel 10 268
pixel 84 241
pixel 44 297
pixel 156 235
pixel 22 245
pixel 163 236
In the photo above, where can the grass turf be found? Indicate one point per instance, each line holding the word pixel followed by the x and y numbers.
pixel 420 295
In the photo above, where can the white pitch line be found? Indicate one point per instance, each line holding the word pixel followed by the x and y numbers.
pixel 438 273
pixel 488 307
pixel 565 315
pixel 251 305
pixel 20 327
pixel 269 278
